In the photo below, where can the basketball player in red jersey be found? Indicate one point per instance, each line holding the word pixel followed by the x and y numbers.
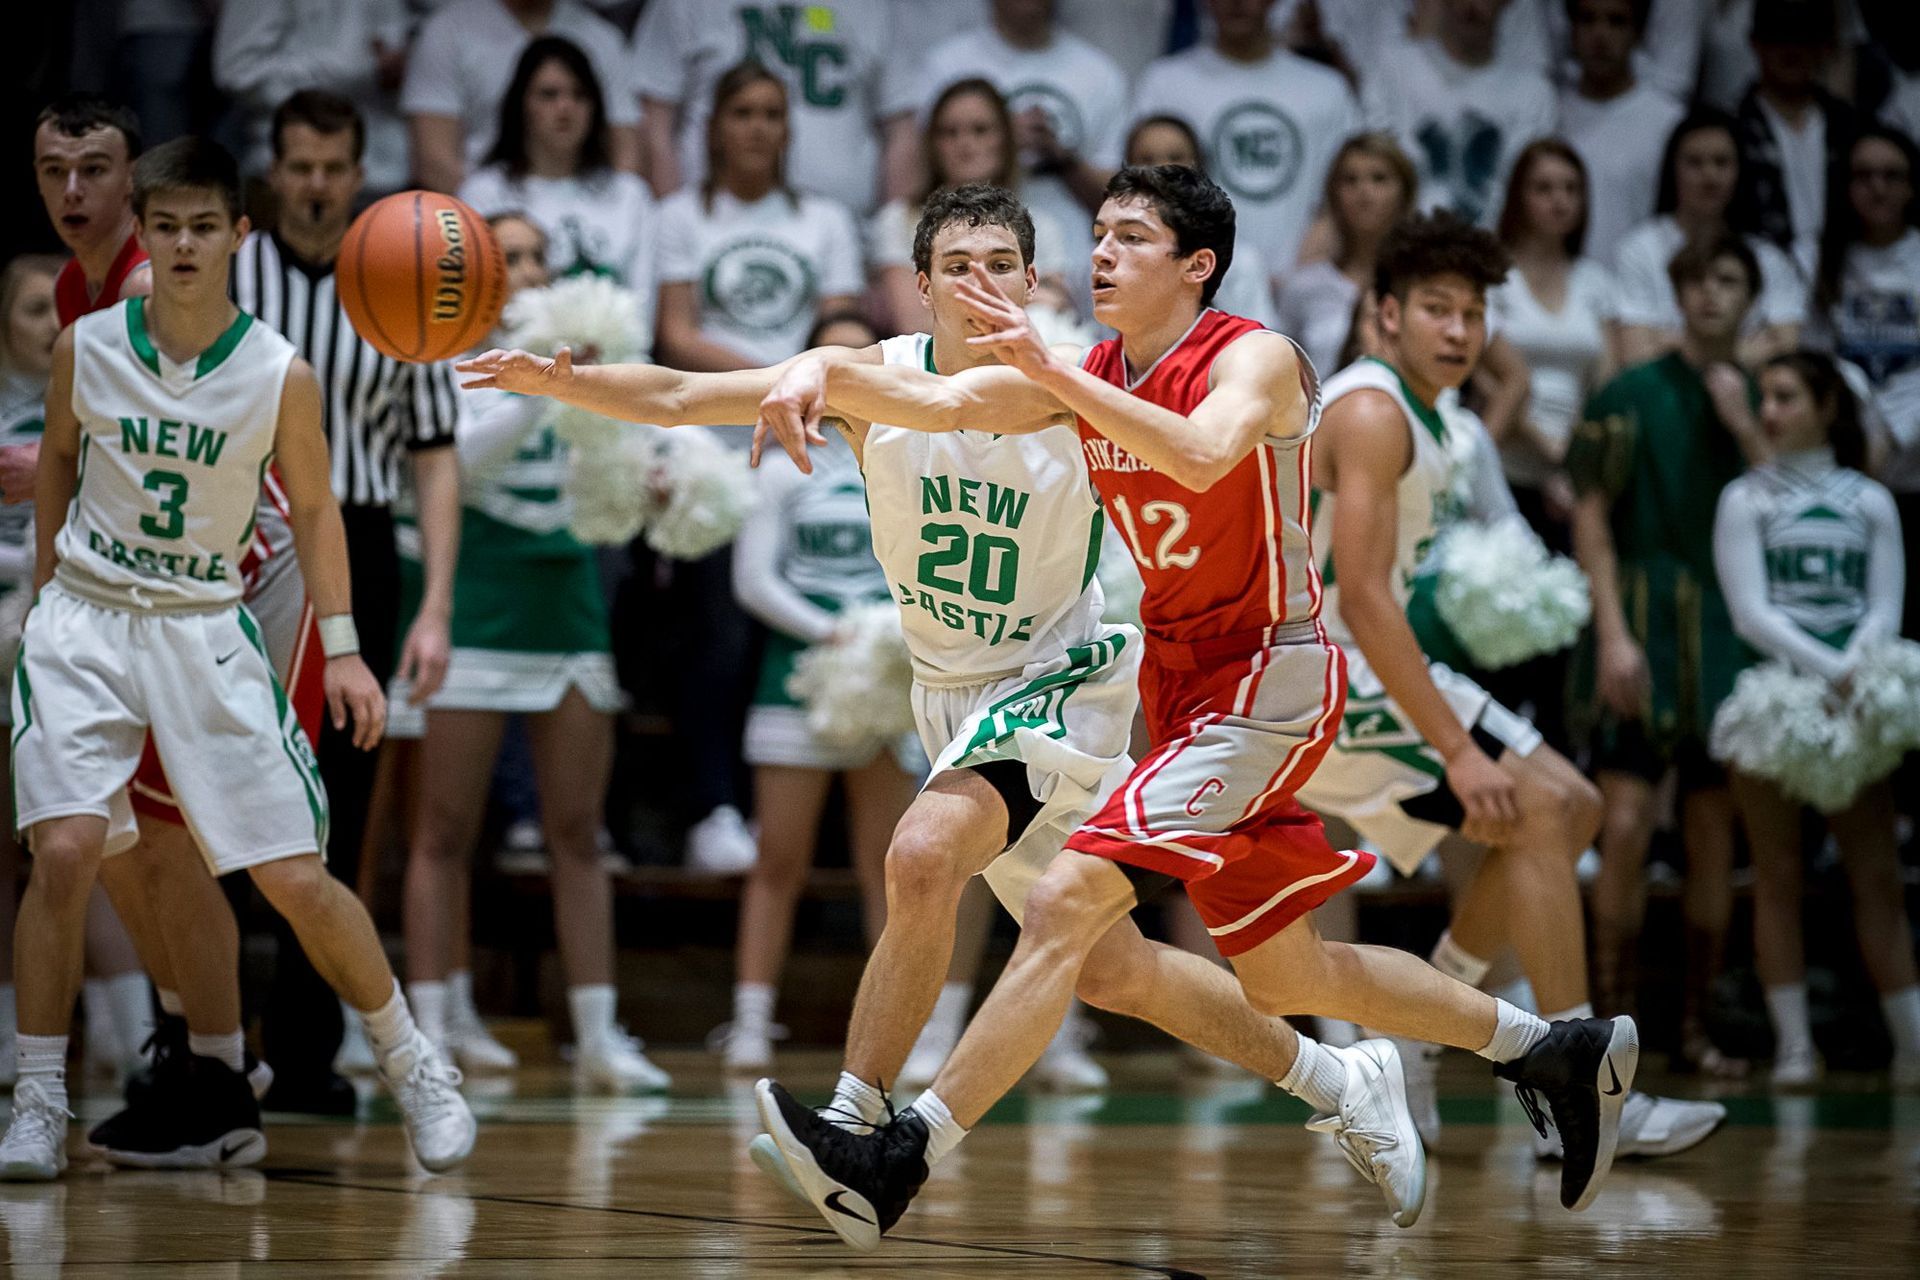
pixel 1196 427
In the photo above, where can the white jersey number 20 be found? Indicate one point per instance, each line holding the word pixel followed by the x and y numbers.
pixel 1167 553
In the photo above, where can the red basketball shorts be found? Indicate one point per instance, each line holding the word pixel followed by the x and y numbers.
pixel 1235 734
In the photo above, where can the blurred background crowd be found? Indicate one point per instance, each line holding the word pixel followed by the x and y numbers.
pixel 752 172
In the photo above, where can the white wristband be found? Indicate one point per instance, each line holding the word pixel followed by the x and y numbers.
pixel 338 636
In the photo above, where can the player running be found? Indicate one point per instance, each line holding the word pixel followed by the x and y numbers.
pixel 1195 427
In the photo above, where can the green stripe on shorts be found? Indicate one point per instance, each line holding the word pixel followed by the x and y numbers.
pixel 292 736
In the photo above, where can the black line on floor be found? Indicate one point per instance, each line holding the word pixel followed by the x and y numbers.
pixel 302 1178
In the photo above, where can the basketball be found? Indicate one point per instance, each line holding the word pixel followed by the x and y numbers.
pixel 421 276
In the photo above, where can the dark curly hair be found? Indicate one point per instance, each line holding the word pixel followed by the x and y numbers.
pixel 1194 207
pixel 1426 245
pixel 1821 377
pixel 977 204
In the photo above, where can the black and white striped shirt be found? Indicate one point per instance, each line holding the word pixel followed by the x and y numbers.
pixel 375 407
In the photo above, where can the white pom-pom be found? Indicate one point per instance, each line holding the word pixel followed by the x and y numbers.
pixel 583 429
pixel 589 313
pixel 1504 597
pixel 611 486
pixel 705 489
pixel 855 686
pixel 1885 692
pixel 1796 731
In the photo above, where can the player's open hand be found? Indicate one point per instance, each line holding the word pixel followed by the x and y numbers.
pixel 354 698
pixel 18 463
pixel 791 412
pixel 1486 793
pixel 521 372
pixel 1000 324
pixel 424 656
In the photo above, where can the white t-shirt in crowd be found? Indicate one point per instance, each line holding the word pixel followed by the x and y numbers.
pixel 1079 88
pixel 830 55
pixel 1522 38
pixel 890 240
pixel 1316 310
pixel 759 271
pixel 1269 130
pixel 1646 292
pixel 1667 58
pixel 1462 125
pixel 1248 289
pixel 1621 141
pixel 1876 325
pixel 1564 350
pixel 605 223
pixel 1131 32
pixel 464 56
pixel 1901 110
pixel 1803 167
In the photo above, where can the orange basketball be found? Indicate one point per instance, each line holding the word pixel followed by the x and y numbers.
pixel 421 276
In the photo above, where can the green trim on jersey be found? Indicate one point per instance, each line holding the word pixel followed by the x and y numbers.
pixel 291 734
pixel 1096 533
pixel 1428 415
pixel 1041 705
pixel 26 692
pixel 210 359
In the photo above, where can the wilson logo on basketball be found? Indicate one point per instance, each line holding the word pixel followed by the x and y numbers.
pixel 449 297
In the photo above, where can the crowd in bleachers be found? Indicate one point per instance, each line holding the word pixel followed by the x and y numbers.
pixel 752 173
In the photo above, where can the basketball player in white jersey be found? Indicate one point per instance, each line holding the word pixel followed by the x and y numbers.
pixel 162 417
pixel 1024 697
pixel 1423 750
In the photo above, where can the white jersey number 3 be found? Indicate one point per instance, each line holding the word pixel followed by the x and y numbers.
pixel 1167 552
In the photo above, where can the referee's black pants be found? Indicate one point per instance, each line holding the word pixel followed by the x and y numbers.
pixel 300 1031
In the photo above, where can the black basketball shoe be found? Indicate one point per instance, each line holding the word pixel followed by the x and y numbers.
pixel 1584 1068
pixel 165 1051
pixel 860 1183
pixel 201 1114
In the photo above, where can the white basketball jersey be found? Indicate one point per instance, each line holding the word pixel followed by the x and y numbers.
pixel 171 461
pixel 1429 494
pixel 989 542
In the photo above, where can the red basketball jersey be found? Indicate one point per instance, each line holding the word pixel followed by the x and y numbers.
pixel 70 298
pixel 1235 560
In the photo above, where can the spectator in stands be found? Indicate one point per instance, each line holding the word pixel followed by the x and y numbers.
pixel 1371 186
pixel 830 56
pixel 266 50
pixel 1460 112
pixel 969 138
pixel 29 324
pixel 1248 288
pixel 552 159
pixel 462 62
pixel 1811 506
pixel 1701 190
pixel 1654 450
pixel 1614 120
pixel 1794 134
pixel 747 266
pixel 1069 105
pixel 1666 51
pixel 1271 119
pixel 803 559
pixel 529 638
pixel 1866 305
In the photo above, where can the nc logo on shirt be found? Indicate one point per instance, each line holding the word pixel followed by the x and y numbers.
pixel 1257 150
pixel 1464 159
pixel 1068 127
pixel 759 285
pixel 803 39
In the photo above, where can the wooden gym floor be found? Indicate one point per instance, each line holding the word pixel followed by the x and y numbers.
pixel 1176 1173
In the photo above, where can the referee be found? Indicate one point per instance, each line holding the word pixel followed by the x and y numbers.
pixel 376 409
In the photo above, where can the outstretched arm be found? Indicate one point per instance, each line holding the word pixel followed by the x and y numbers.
pixel 1258 392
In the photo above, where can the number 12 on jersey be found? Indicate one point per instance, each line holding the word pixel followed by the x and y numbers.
pixel 1167 552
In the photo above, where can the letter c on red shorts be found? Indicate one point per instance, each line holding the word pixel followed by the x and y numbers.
pixel 1211 787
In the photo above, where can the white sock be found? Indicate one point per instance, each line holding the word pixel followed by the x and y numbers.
pixel 853 1095
pixel 1792 1028
pixel 429 1001
pixel 943 1135
pixel 1318 1077
pixel 752 1007
pixel 102 1037
pixel 1514 1032
pixel 593 1010
pixel 950 1010
pixel 130 997
pixel 460 1007
pixel 391 1025
pixel 1519 994
pixel 1582 1010
pixel 170 1003
pixel 1454 960
pixel 230 1048
pixel 1902 1012
pixel 43 1058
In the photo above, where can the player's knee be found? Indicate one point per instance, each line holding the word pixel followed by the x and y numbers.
pixel 65 862
pixel 923 867
pixel 1585 810
pixel 296 887
pixel 1078 898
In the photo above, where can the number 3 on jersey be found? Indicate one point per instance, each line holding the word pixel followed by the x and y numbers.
pixel 172 488
pixel 1167 552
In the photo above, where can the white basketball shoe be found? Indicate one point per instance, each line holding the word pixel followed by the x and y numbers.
pixel 1374 1129
pixel 35 1148
pixel 440 1125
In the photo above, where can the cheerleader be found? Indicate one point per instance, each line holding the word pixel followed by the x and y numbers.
pixel 1809 557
